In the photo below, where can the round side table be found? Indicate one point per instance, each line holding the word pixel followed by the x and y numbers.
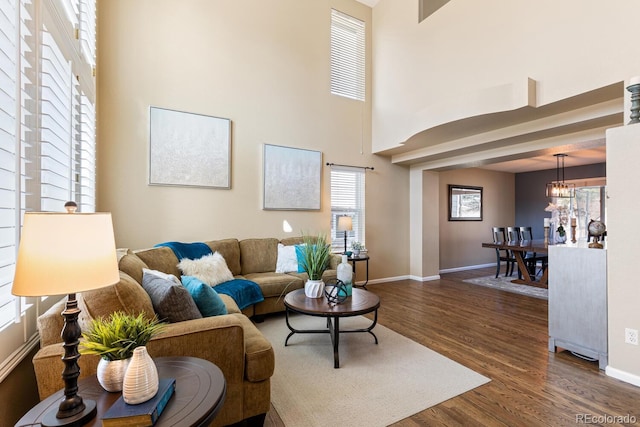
pixel 200 392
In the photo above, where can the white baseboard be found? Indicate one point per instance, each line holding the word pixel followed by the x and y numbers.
pixel 623 376
pixel 426 278
pixel 468 267
pixel 399 278
pixel 386 279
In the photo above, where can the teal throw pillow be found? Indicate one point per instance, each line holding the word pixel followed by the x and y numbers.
pixel 300 256
pixel 207 299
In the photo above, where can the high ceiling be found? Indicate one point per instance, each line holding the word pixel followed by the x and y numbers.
pixel 590 150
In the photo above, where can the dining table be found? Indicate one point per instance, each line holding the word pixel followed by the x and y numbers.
pixel 520 248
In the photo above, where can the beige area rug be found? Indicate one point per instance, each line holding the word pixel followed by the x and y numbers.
pixel 376 385
pixel 504 284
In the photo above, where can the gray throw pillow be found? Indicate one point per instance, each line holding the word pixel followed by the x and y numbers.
pixel 171 301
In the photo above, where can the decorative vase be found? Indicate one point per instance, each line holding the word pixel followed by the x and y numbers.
pixel 141 379
pixel 110 373
pixel 561 239
pixel 314 288
pixel 356 253
pixel 345 274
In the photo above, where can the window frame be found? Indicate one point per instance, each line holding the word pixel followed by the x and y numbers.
pixel 348 56
pixel 347 202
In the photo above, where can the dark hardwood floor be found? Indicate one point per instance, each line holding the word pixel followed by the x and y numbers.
pixel 503 336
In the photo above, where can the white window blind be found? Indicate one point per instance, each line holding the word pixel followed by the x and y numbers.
pixel 88 30
pixel 347 56
pixel 9 159
pixel 347 198
pixel 87 153
pixel 47 142
pixel 57 145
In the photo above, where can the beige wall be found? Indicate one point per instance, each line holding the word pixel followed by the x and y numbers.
pixel 447 66
pixel 622 245
pixel 460 241
pixel 265 66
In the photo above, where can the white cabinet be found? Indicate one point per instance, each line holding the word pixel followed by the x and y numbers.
pixel 578 301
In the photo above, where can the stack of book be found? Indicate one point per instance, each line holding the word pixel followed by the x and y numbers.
pixel 144 414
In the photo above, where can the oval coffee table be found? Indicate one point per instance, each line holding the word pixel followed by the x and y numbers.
pixel 361 302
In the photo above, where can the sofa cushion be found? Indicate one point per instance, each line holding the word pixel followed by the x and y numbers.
pixel 230 250
pixel 131 264
pixel 275 284
pixel 258 255
pixel 171 301
pixel 161 259
pixel 127 295
pixel 211 269
pixel 206 298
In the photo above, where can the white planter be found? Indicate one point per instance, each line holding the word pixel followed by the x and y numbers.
pixel 314 288
pixel 110 373
pixel 141 380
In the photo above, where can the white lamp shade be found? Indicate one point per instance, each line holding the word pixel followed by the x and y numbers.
pixel 344 223
pixel 63 253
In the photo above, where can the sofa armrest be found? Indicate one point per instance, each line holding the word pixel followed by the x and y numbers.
pixel 218 339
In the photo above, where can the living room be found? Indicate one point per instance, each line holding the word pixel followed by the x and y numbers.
pixel 265 66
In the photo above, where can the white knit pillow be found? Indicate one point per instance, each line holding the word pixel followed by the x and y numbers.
pixel 287 260
pixel 211 269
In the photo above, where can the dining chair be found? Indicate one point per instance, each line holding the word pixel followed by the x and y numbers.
pixel 499 236
pixel 531 259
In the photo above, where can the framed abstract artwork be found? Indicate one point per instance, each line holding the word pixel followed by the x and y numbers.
pixel 292 178
pixel 189 149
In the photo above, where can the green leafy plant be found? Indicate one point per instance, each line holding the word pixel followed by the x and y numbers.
pixel 356 246
pixel 561 231
pixel 316 254
pixel 116 336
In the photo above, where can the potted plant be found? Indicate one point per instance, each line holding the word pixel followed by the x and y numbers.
pixel 357 247
pixel 562 234
pixel 315 254
pixel 114 339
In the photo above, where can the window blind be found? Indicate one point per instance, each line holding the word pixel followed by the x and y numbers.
pixel 47 141
pixel 88 30
pixel 9 159
pixel 347 198
pixel 347 56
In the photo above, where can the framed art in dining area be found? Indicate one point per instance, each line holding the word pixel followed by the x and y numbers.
pixel 465 203
pixel 189 149
pixel 292 178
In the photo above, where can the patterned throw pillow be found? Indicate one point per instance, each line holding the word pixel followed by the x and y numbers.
pixel 211 269
pixel 171 301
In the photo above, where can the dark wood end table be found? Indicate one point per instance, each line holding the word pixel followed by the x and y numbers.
pixel 360 302
pixel 200 393
pixel 354 260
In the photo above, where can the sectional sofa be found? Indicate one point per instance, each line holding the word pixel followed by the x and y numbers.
pixel 231 341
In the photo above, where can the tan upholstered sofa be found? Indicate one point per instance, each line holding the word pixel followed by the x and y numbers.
pixel 230 341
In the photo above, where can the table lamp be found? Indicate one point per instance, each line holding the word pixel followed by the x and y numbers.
pixel 65 253
pixel 344 224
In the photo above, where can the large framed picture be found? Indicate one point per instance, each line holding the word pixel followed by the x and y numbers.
pixel 465 203
pixel 292 178
pixel 189 149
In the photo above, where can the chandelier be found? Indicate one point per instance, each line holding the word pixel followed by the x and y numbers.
pixel 559 188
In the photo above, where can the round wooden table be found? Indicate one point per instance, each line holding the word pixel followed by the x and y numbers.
pixel 360 302
pixel 200 392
